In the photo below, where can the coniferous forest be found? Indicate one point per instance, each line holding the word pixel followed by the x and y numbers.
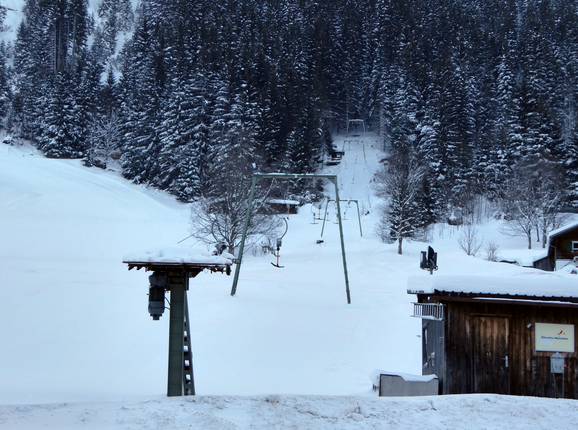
pixel 479 93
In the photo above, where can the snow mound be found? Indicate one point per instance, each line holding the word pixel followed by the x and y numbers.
pixel 522 257
pixel 408 377
pixel 301 412
pixel 529 284
pixel 177 255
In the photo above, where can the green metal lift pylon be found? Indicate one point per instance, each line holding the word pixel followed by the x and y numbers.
pixel 180 380
pixel 257 177
pixel 347 201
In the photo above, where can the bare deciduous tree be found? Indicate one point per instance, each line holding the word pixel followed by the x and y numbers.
pixel 549 200
pixel 523 217
pixel 219 216
pixel 469 240
pixel 221 219
pixel 532 198
pixel 103 140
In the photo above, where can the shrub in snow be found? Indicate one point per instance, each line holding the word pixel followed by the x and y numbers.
pixel 469 240
pixel 8 140
pixel 492 251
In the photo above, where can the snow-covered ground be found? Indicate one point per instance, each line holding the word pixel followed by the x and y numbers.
pixel 74 324
pixel 15 14
pixel 300 412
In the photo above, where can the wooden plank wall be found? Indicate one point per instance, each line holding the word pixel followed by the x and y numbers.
pixel 563 244
pixel 529 371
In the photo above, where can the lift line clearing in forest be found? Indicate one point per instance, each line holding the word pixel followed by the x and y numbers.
pixel 348 201
pixel 257 177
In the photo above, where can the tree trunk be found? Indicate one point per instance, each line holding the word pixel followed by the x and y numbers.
pixel 399 246
pixel 529 235
pixel 60 41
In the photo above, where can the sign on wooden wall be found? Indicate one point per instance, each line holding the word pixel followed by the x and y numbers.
pixel 555 337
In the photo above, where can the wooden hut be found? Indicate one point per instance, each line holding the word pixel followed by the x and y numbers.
pixel 562 247
pixel 283 206
pixel 511 335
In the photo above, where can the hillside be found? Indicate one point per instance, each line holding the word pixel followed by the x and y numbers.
pixel 75 319
pixel 484 91
pixel 121 121
pixel 78 326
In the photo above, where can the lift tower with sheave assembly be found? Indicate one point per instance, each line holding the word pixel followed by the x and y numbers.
pixel 257 177
pixel 171 272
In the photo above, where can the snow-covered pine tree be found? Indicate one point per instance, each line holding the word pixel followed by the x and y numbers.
pixel 402 183
pixel 569 123
pixel 5 90
pixel 430 152
pixel 270 123
pixel 58 138
pixel 494 79
pixel 184 134
pixel 457 122
pixel 33 67
pixel 141 87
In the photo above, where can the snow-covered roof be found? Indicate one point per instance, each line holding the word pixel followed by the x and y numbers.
pixel 178 255
pixel 531 284
pixel 563 229
pixel 375 375
pixel 283 202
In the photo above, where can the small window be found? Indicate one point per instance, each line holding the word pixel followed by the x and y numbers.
pixel 575 246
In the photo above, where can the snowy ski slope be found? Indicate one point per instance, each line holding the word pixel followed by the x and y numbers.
pixel 74 323
pixel 75 329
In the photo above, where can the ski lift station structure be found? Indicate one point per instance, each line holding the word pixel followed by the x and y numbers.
pixel 348 201
pixel 356 122
pixel 258 177
pixel 172 269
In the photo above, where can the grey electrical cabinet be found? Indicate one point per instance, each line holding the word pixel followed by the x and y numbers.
pixel 399 384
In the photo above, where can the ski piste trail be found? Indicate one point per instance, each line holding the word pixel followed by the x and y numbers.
pixel 75 321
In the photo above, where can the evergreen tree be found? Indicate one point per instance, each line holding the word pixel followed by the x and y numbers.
pixel 199 89
pixel 59 137
pixel 142 84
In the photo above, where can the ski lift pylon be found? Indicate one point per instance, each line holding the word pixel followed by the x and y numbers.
pixel 357 122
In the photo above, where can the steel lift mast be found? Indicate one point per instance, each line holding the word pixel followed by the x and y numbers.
pixel 258 177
